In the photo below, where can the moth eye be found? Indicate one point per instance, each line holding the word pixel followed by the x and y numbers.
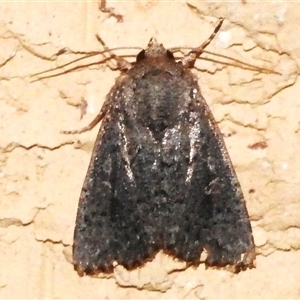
pixel 170 54
pixel 140 56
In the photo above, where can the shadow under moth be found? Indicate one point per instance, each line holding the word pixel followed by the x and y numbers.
pixel 160 177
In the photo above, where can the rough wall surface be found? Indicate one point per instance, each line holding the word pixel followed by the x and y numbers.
pixel 42 171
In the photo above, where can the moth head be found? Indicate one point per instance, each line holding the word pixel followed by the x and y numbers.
pixel 154 49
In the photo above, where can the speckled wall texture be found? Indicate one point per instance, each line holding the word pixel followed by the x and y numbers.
pixel 42 171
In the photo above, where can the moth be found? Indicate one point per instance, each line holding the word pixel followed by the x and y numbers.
pixel 160 177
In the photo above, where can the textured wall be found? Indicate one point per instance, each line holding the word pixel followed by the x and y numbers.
pixel 42 171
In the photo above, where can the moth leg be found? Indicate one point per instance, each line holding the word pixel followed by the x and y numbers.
pixel 96 120
pixel 190 58
pixel 122 63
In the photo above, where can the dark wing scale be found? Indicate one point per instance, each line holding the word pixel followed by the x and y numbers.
pixel 230 233
pixel 214 216
pixel 108 226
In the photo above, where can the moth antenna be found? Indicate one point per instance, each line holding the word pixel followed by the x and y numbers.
pixel 240 64
pixel 120 66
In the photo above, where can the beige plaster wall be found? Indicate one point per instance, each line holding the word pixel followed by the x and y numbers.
pixel 42 171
